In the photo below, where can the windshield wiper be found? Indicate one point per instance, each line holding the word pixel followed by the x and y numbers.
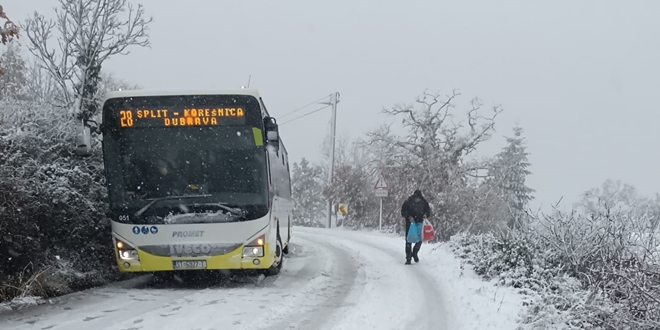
pixel 160 199
pixel 223 206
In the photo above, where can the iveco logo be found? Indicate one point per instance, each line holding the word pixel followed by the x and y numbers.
pixel 190 249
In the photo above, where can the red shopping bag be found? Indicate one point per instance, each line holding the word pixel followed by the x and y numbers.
pixel 428 232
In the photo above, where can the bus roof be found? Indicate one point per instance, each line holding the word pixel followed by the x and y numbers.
pixel 162 92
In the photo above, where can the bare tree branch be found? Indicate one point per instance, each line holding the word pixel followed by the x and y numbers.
pixel 90 32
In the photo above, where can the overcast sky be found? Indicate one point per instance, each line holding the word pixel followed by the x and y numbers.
pixel 581 77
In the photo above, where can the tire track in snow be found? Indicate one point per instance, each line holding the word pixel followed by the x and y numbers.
pixel 396 296
pixel 433 315
pixel 133 305
pixel 314 304
pixel 243 308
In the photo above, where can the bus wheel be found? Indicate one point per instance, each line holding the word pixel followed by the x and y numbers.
pixel 279 259
pixel 285 250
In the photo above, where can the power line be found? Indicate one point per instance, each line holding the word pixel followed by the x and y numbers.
pixel 305 115
pixel 303 107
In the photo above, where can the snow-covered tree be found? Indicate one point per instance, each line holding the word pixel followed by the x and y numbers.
pixel 307 193
pixel 351 186
pixel 613 196
pixel 39 86
pixel 90 32
pixel 507 175
pixel 431 156
pixel 8 31
pixel 12 82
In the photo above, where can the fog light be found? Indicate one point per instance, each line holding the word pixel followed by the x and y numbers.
pixel 256 262
pixel 127 265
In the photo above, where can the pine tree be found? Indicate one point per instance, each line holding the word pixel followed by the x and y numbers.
pixel 508 175
pixel 307 193
pixel 13 79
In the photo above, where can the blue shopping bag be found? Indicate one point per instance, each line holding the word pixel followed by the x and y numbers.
pixel 414 233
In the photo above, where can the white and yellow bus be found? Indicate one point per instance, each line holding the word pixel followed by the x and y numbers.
pixel 196 180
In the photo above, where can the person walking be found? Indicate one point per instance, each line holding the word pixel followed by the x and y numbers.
pixel 414 209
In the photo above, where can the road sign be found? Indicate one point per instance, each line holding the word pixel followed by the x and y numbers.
pixel 380 188
pixel 380 184
pixel 342 209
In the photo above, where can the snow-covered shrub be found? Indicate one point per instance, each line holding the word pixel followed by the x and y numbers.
pixel 585 270
pixel 19 233
pixel 52 202
pixel 31 283
pixel 508 257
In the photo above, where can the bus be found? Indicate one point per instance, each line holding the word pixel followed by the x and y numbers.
pixel 197 180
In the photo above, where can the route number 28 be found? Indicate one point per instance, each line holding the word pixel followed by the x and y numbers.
pixel 126 118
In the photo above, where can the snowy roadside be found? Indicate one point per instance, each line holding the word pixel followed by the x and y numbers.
pixel 21 302
pixel 471 302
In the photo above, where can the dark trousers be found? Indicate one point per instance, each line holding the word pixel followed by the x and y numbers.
pixel 410 249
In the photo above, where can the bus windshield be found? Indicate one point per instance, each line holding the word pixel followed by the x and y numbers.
pixel 211 165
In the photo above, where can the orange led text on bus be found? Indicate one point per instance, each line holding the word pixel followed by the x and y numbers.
pixel 126 118
pixel 205 117
pixel 191 117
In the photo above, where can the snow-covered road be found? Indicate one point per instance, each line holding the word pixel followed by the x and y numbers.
pixel 332 279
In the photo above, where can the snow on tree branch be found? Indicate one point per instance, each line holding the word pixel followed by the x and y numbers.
pixel 90 31
pixel 432 132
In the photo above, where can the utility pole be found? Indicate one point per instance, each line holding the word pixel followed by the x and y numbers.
pixel 333 102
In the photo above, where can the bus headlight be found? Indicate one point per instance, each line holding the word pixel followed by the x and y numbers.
pixel 126 251
pixel 128 255
pixel 255 248
pixel 253 251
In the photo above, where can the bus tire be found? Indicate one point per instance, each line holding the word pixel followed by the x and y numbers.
pixel 276 268
pixel 285 250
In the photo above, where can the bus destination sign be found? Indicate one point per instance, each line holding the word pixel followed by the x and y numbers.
pixel 181 117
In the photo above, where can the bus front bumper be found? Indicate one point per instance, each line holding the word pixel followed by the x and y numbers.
pixel 234 260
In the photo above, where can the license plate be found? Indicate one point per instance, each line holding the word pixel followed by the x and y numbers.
pixel 189 264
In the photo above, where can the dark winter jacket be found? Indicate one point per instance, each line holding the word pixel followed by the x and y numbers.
pixel 417 210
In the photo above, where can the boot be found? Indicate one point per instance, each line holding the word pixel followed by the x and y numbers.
pixel 408 253
pixel 416 251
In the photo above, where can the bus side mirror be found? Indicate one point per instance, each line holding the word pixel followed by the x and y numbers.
pixel 272 133
pixel 272 136
pixel 83 141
